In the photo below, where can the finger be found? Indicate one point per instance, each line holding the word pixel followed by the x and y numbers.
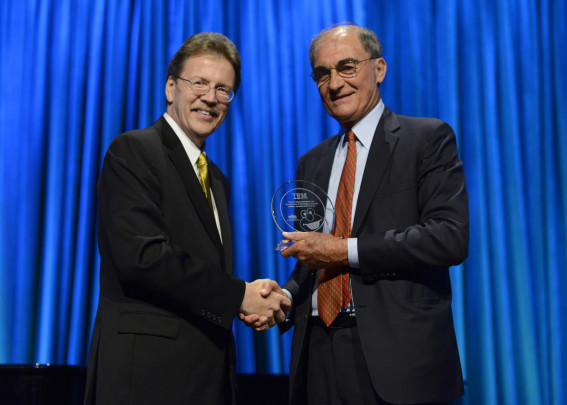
pixel 249 320
pixel 285 302
pixel 258 323
pixel 262 328
pixel 279 316
pixel 294 236
pixel 252 317
pixel 286 307
pixel 286 252
pixel 291 251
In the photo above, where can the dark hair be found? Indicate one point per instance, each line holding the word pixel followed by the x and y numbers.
pixel 367 38
pixel 206 43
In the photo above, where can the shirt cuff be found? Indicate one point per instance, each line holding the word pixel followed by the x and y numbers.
pixel 353 253
pixel 288 313
pixel 288 295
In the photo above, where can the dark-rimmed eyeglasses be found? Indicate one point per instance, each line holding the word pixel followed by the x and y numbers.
pixel 200 88
pixel 345 68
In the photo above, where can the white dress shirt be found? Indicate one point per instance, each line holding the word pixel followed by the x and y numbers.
pixel 364 132
pixel 193 153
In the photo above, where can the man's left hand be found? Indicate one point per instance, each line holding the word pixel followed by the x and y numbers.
pixel 317 250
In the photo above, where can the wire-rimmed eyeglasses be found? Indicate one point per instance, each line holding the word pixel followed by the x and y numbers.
pixel 345 68
pixel 200 88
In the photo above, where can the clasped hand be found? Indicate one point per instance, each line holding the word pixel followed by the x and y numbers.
pixel 316 251
pixel 264 304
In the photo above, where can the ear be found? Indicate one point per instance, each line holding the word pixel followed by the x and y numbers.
pixel 380 68
pixel 169 86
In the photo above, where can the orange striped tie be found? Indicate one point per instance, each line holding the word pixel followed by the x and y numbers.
pixel 334 283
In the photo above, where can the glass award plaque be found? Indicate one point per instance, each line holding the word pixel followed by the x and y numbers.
pixel 302 206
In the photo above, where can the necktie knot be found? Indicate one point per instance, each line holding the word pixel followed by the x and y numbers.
pixel 351 137
pixel 202 161
pixel 203 169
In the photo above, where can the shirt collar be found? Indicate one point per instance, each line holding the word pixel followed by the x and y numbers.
pixel 191 149
pixel 365 128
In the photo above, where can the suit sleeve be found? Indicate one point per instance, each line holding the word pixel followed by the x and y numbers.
pixel 439 237
pixel 136 244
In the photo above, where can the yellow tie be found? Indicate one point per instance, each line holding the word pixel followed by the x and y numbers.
pixel 203 169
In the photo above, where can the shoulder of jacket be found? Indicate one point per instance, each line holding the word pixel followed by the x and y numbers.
pixel 320 148
pixel 138 138
pixel 422 122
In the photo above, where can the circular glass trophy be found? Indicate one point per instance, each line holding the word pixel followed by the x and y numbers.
pixel 302 206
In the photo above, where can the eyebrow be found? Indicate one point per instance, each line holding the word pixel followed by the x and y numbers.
pixel 217 85
pixel 338 63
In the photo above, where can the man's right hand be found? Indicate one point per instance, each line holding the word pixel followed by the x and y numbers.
pixel 264 304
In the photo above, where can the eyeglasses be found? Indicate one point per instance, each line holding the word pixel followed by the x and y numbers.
pixel 200 88
pixel 345 68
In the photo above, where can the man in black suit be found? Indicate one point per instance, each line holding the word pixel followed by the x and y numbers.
pixel 376 327
pixel 163 329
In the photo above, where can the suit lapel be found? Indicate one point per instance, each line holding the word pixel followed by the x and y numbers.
pixel 381 148
pixel 187 174
pixel 322 175
pixel 224 219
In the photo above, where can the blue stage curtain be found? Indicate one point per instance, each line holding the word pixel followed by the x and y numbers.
pixel 74 74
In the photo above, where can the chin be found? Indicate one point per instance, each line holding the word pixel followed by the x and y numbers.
pixel 207 128
pixel 342 118
pixel 342 110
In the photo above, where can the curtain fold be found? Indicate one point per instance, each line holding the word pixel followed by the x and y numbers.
pixel 76 74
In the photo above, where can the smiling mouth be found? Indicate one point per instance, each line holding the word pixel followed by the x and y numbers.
pixel 206 113
pixel 339 97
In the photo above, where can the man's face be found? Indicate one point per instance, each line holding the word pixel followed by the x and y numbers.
pixel 199 116
pixel 348 100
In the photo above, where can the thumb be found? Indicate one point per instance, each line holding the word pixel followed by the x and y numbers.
pixel 289 235
pixel 266 288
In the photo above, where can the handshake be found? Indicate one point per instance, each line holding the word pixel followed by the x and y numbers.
pixel 264 305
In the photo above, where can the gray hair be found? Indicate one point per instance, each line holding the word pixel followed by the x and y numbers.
pixel 367 38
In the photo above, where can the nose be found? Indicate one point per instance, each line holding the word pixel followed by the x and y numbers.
pixel 335 81
pixel 210 97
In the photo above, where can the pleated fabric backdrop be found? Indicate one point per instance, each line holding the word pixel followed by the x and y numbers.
pixel 74 74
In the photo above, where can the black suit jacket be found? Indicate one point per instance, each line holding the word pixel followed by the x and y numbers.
pixel 163 329
pixel 411 222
